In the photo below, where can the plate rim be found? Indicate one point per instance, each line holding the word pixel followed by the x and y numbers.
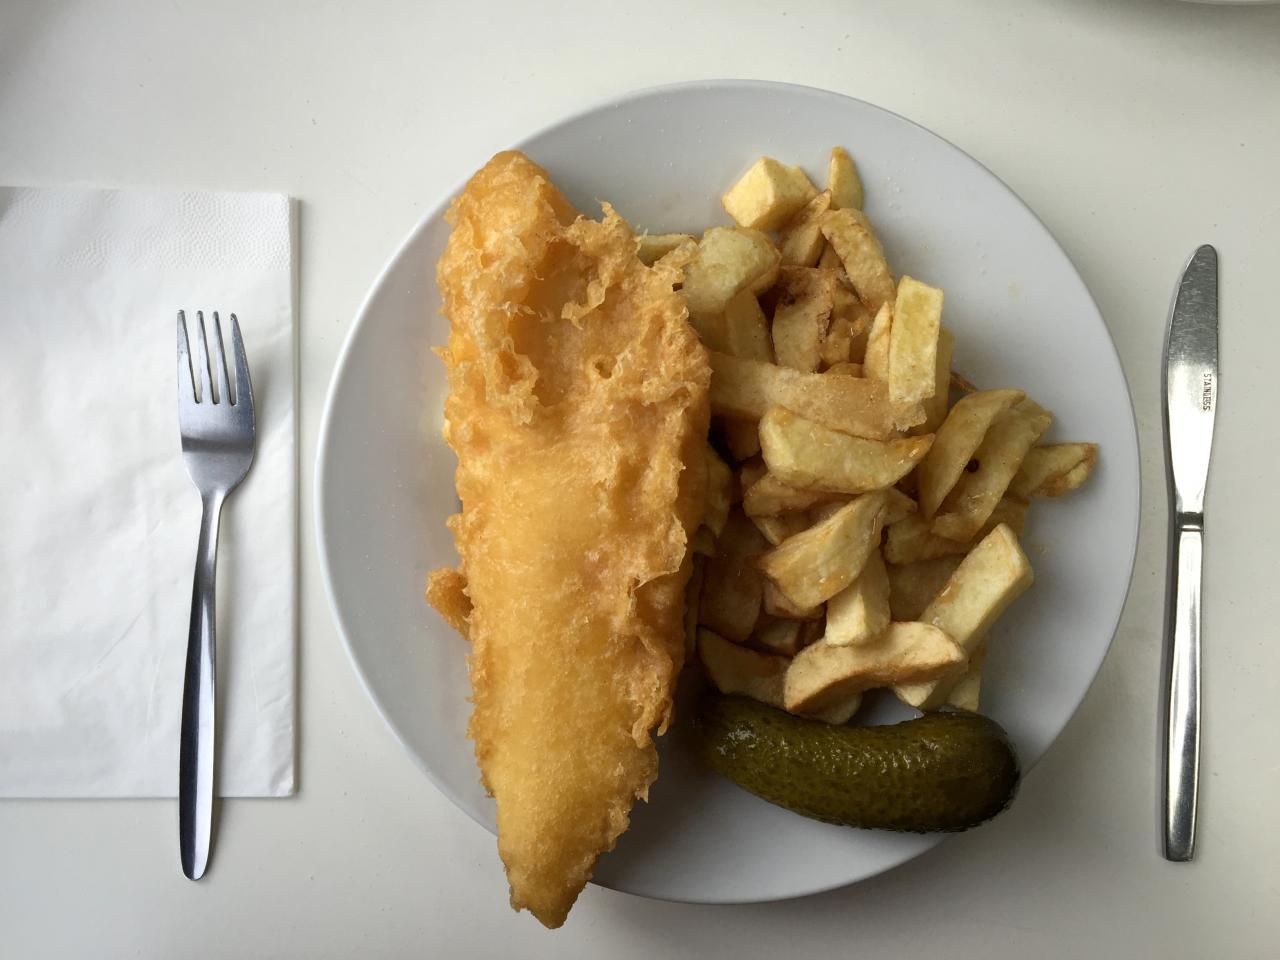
pixel 438 208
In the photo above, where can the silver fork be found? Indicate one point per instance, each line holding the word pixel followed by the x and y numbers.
pixel 217 428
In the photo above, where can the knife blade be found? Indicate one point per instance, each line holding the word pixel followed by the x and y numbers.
pixel 1190 403
pixel 1191 380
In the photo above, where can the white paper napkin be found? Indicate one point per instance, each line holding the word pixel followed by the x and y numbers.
pixel 98 520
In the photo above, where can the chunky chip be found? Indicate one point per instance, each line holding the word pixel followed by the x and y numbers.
pixel 769 496
pixel 847 332
pixel 897 505
pixel 991 577
pixel 850 234
pixel 776 636
pixel 1054 469
pixel 746 328
pixel 860 612
pixel 935 406
pixel 913 350
pixel 778 528
pixel 837 342
pixel 839 712
pixel 843 182
pixel 913 586
pixel 956 442
pixel 805 454
pixel 851 314
pixel 776 604
pixel 875 356
pixel 824 511
pixel 964 695
pixel 732 668
pixel 728 260
pixel 746 389
pixel 732 590
pixel 912 538
pixel 975 495
pixel 802 315
pixel 813 566
pixel 801 241
pixel 824 673
pixel 768 194
pixel 652 247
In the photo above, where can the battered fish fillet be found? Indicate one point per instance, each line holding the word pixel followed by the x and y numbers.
pixel 578 409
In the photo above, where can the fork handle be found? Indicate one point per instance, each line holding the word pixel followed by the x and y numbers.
pixel 1182 730
pixel 196 756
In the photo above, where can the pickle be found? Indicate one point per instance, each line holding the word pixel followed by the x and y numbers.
pixel 939 772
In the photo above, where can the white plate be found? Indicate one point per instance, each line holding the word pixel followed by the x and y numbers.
pixel 1021 315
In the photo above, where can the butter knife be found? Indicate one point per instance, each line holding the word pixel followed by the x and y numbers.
pixel 1190 399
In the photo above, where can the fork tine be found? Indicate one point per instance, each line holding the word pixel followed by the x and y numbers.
pixel 220 363
pixel 244 386
pixel 186 388
pixel 201 370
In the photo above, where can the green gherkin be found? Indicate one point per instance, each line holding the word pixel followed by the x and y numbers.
pixel 939 772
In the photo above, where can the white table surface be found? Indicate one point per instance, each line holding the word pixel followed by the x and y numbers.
pixel 1136 130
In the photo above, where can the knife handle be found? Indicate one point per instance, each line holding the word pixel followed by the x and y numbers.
pixel 1182 650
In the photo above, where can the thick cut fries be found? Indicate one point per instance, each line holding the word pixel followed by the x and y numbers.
pixel 850 234
pixel 824 673
pixel 875 357
pixel 812 567
pixel 805 454
pixel 731 589
pixel 913 350
pixel 857 587
pixel 990 578
pixel 802 315
pixel 1054 469
pixel 964 695
pixel 737 669
pixel 935 407
pixel 860 612
pixel 746 389
pixel 975 495
pixel 747 328
pixel 776 636
pixel 801 241
pixel 728 260
pixel 769 497
pixel 912 538
pixel 843 182
pixel 912 586
pixel 768 194
pixel 780 527
pixel 956 442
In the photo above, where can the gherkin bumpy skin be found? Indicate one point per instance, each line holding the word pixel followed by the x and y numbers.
pixel 941 772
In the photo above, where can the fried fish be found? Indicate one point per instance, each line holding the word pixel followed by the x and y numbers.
pixel 578 409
